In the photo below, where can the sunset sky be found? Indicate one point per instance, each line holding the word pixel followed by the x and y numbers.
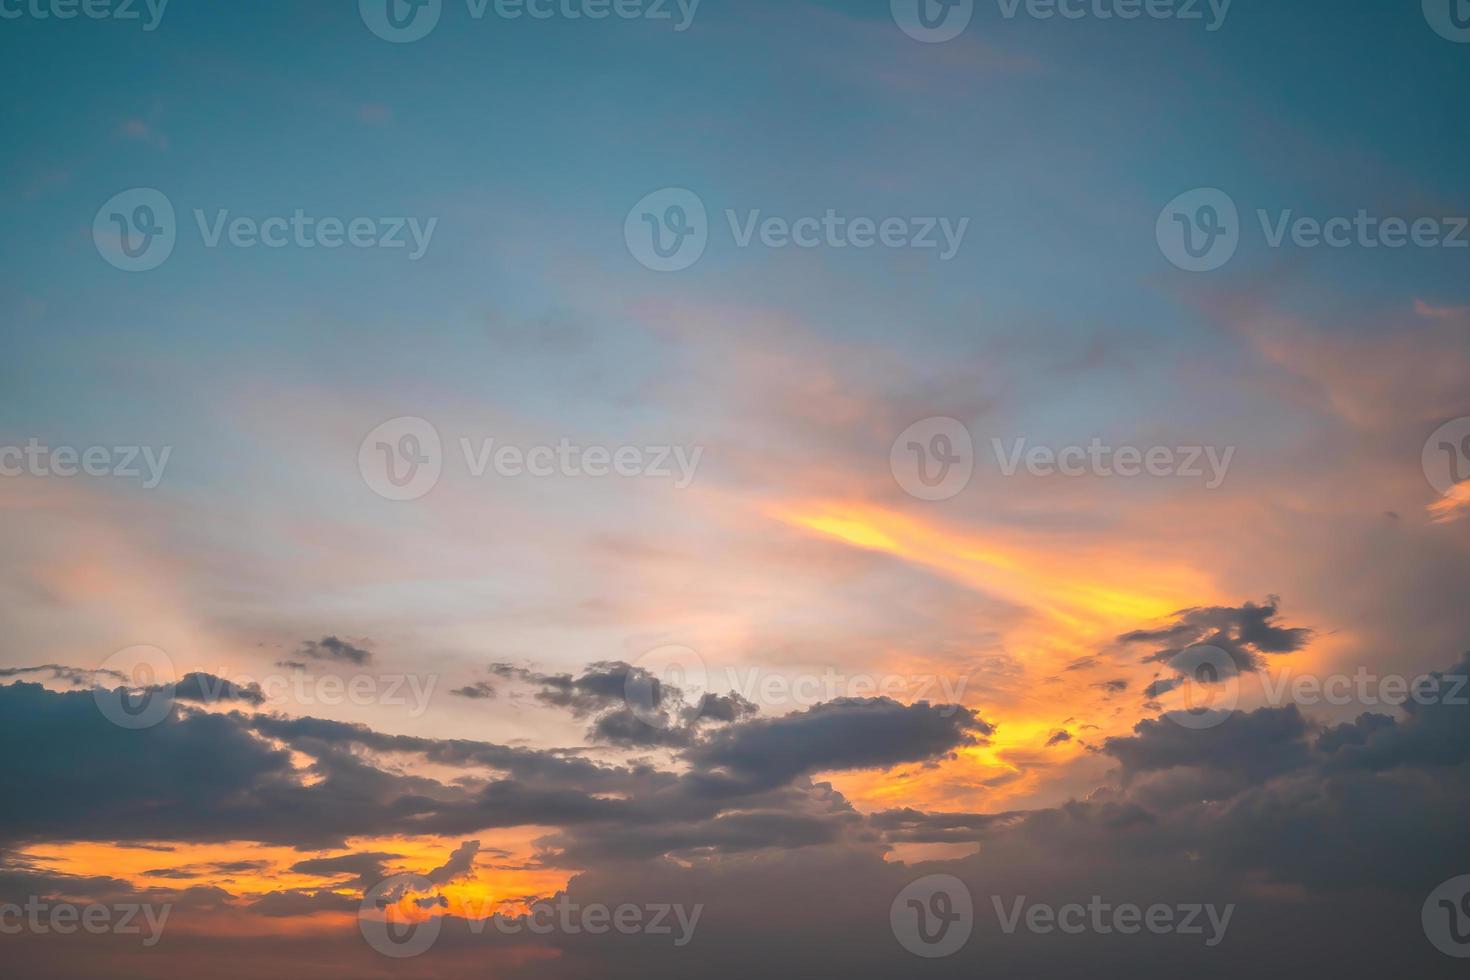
pixel 763 672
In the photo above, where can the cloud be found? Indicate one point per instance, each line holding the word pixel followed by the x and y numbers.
pixel 334 649
pixel 459 864
pixel 849 733
pixel 1246 633
pixel 629 706
pixel 1258 812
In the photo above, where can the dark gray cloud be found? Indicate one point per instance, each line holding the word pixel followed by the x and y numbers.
pixel 849 733
pixel 335 649
pixel 1247 633
pixel 1325 837
pixel 628 706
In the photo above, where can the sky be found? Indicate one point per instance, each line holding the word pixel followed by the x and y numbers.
pixel 844 474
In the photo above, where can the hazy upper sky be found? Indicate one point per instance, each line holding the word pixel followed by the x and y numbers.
pixel 756 455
